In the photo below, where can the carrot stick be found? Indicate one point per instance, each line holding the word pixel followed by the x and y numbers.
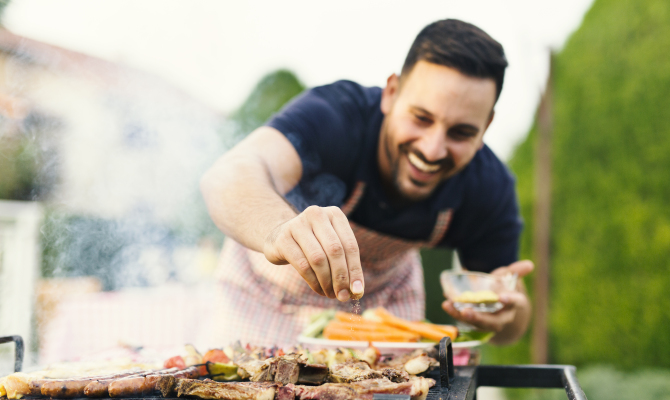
pixel 365 326
pixel 348 317
pixel 426 331
pixel 447 330
pixel 346 334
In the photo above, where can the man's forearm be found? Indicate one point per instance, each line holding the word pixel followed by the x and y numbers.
pixel 242 199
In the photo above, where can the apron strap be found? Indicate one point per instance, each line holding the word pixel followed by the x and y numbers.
pixel 439 230
pixel 441 226
pixel 351 203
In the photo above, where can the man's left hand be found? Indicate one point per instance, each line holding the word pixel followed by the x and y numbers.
pixel 512 320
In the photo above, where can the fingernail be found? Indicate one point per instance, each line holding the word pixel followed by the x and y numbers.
pixel 343 295
pixel 357 287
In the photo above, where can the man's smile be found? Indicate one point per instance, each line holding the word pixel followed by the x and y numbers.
pixel 422 166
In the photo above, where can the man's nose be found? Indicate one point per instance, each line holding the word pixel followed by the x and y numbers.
pixel 433 145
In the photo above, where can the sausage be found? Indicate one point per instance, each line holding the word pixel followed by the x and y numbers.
pixel 190 373
pixel 35 386
pixel 137 386
pixel 69 388
pixel 99 388
pixel 127 387
pixel 64 388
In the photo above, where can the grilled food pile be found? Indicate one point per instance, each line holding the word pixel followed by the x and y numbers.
pixel 243 372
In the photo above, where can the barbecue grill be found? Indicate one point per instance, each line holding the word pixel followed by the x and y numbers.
pixel 452 382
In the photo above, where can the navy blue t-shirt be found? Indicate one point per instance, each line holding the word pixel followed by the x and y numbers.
pixel 335 130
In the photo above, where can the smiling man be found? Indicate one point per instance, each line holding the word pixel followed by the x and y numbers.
pixel 333 198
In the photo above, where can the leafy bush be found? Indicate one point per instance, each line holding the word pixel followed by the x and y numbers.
pixel 610 220
pixel 27 157
pixel 270 94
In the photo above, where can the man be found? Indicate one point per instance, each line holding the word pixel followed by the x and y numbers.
pixel 335 195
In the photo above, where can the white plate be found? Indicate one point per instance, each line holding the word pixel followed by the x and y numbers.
pixel 384 347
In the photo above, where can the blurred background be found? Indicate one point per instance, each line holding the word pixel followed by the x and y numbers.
pixel 111 111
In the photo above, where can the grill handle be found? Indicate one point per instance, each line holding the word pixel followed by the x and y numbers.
pixel 531 376
pixel 446 358
pixel 18 350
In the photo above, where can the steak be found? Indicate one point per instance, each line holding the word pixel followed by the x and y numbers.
pixel 353 371
pixel 416 387
pixel 288 369
pixel 313 374
pixel 209 389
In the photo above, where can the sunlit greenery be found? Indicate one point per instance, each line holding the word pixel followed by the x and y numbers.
pixel 27 157
pixel 3 5
pixel 610 250
pixel 270 94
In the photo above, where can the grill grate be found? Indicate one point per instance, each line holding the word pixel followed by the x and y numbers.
pixel 451 382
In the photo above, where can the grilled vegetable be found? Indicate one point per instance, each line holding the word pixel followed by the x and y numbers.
pixel 318 323
pixel 222 371
pixel 175 362
pixel 192 356
pixel 215 356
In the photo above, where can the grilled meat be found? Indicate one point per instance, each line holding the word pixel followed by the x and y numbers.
pixel 418 362
pixel 145 385
pixel 417 388
pixel 313 374
pixel 395 375
pixel 352 371
pixel 286 392
pixel 209 389
pixel 288 369
pixel 100 387
pixel 68 388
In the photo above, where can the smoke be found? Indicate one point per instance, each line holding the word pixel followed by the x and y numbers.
pixel 115 155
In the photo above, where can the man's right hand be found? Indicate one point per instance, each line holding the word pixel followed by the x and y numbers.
pixel 321 246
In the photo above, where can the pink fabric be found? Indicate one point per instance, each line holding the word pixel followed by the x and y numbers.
pixel 104 325
pixel 253 308
pixel 267 304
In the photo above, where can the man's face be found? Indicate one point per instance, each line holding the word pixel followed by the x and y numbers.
pixel 434 123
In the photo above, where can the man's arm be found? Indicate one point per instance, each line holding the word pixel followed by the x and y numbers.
pixel 244 192
pixel 509 323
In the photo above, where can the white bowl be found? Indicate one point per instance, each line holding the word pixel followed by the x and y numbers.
pixel 476 290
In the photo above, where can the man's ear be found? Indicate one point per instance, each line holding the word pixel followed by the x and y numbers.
pixel 493 113
pixel 389 93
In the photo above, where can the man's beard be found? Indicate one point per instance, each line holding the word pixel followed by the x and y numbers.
pixel 397 192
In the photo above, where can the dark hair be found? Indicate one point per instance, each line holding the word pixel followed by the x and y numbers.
pixel 459 45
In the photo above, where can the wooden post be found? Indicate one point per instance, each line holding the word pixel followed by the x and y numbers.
pixel 542 225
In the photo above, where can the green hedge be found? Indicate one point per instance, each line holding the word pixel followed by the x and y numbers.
pixel 610 247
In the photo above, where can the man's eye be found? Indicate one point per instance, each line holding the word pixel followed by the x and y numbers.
pixel 462 134
pixel 423 119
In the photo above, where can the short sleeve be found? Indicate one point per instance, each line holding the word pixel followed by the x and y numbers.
pixel 325 125
pixel 498 243
pixel 487 226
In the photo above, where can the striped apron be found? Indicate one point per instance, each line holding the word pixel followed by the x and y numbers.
pixel 266 304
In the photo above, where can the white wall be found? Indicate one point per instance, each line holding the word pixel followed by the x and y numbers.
pixel 19 267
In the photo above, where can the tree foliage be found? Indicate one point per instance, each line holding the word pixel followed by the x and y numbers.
pixel 3 5
pixel 269 96
pixel 28 162
pixel 610 249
